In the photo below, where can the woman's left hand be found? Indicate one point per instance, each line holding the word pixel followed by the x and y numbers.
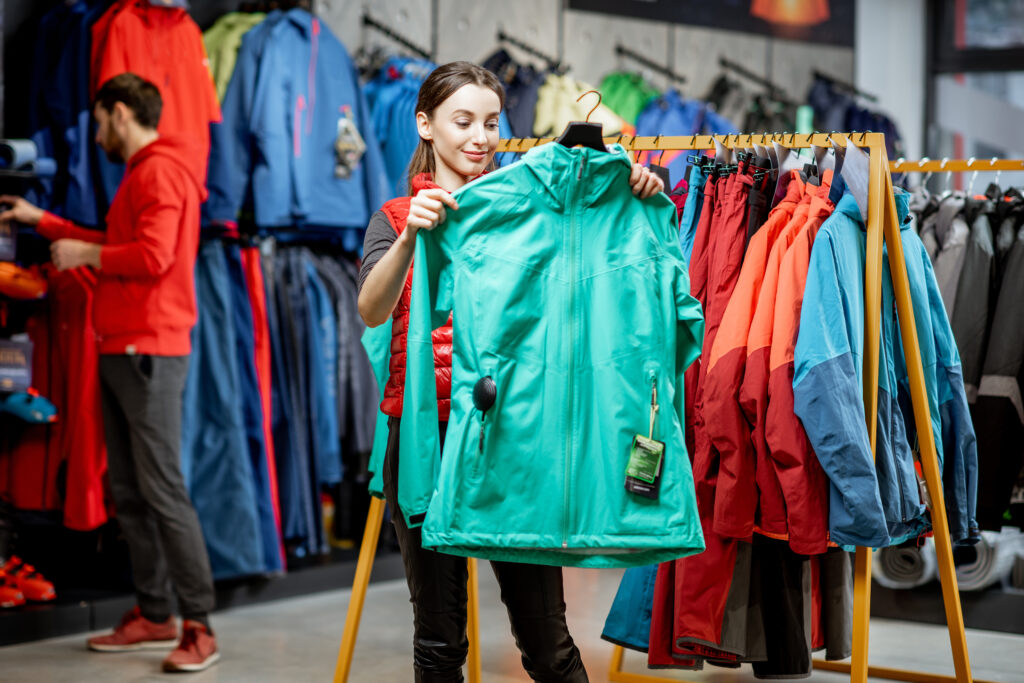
pixel 644 183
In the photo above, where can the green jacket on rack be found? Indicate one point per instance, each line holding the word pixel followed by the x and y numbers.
pixel 572 295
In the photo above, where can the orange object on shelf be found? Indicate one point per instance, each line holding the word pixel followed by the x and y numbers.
pixel 20 283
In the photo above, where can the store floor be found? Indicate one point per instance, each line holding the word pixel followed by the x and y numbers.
pixel 297 640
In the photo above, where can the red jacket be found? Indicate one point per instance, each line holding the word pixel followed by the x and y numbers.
pixel 164 46
pixel 397 211
pixel 145 291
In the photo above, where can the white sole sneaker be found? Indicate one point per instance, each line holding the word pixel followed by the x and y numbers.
pixel 191 668
pixel 144 645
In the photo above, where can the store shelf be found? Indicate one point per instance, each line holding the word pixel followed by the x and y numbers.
pixel 991 610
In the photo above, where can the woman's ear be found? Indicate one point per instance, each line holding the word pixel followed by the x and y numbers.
pixel 423 126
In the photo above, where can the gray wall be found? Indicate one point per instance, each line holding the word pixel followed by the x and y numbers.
pixel 466 29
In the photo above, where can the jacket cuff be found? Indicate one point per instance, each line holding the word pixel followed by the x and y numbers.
pixel 53 227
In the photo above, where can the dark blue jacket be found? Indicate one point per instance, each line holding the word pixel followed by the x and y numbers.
pixel 876 503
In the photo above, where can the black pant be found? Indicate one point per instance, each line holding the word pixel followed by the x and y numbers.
pixel 142 398
pixel 533 596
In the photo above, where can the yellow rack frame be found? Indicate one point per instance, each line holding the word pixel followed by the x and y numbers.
pixel 882 226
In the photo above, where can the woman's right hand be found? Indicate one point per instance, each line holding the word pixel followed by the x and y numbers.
pixel 427 209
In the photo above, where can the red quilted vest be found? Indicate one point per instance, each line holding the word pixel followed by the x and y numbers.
pixel 397 210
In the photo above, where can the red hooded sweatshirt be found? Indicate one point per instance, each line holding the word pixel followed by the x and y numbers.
pixel 145 300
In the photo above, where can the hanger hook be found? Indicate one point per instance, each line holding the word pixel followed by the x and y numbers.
pixel 949 176
pixel 992 162
pixel 974 176
pixel 594 108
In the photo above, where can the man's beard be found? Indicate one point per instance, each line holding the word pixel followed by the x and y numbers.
pixel 114 155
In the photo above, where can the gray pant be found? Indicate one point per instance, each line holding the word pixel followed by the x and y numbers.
pixel 142 398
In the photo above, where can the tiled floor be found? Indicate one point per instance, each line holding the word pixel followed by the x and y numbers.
pixel 297 640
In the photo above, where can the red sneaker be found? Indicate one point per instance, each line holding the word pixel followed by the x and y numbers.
pixel 136 632
pixel 30 582
pixel 10 596
pixel 196 651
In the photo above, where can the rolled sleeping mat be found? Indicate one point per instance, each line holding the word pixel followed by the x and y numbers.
pixel 15 154
pixel 996 555
pixel 907 566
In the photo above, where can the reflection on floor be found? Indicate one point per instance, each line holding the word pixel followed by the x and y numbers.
pixel 297 640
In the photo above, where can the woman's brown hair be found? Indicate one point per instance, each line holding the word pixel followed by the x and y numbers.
pixel 439 86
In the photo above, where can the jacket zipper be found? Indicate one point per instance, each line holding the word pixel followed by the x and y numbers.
pixel 300 106
pixel 572 356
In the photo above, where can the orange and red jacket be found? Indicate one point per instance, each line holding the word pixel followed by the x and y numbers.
pixel 397 211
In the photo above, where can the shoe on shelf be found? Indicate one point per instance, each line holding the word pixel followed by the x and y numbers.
pixel 196 651
pixel 10 596
pixel 136 632
pixel 29 581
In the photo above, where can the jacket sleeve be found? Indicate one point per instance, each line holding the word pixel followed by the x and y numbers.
pixel 231 143
pixel 827 392
pixel 151 251
pixel 420 442
pixel 957 442
pixel 53 228
pixel 377 342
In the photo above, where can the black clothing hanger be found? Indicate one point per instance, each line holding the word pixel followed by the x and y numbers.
pixel 583 132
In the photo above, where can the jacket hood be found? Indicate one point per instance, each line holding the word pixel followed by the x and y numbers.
pixel 185 152
pixel 553 163
pixel 848 205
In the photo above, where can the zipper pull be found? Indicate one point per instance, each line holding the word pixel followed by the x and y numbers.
pixel 482 418
pixel 654 406
pixel 583 162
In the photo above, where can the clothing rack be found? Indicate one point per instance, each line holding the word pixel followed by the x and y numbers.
pixel 882 228
pixel 955 165
pixel 552 63
pixel 845 86
pixel 397 37
pixel 623 51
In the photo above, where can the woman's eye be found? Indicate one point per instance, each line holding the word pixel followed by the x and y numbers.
pixel 462 124
pixel 493 125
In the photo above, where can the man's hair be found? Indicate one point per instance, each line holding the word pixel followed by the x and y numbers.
pixel 138 94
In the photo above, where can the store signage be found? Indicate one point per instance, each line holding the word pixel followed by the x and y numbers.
pixel 818 21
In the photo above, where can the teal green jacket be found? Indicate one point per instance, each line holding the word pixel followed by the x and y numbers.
pixel 573 296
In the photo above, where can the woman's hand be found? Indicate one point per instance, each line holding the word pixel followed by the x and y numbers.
pixel 427 209
pixel 644 183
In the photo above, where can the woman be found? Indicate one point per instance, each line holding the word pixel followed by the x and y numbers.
pixel 457 119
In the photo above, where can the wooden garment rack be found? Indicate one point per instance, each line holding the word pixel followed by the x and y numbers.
pixel 882 227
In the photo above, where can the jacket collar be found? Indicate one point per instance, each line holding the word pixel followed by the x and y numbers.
pixel 557 166
pixel 848 206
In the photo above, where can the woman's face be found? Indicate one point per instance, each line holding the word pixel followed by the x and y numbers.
pixel 464 130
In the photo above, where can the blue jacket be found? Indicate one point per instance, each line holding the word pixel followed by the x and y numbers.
pixel 59 112
pixel 877 503
pixel 292 81
pixel 670 114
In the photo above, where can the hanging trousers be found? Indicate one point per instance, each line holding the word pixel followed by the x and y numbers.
pixel 532 594
pixel 142 398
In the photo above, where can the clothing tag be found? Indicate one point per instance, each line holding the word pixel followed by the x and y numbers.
pixel 643 473
pixel 348 145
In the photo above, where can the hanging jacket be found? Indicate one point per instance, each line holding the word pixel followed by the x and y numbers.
pixel 945 234
pixel 670 114
pixel 164 46
pixel 145 294
pixel 999 409
pixel 875 501
pixel 60 112
pixel 975 300
pixel 558 104
pixel 222 41
pixel 293 82
pixel 574 372
pixel 627 94
pixel 397 211
pixel 729 431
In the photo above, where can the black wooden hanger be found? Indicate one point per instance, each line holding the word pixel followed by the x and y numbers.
pixel 583 132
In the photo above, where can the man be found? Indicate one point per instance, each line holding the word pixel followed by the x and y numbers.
pixel 144 309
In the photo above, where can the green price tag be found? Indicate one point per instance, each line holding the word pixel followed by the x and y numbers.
pixel 645 459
